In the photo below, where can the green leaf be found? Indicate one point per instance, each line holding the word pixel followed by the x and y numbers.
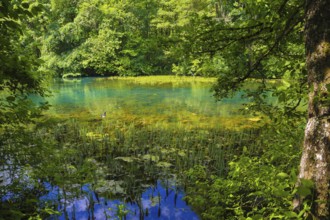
pixel 51 211
pixel 304 191
pixel 282 175
pixel 291 214
pixel 150 157
pixel 163 164
pixel 126 159
pixel 257 217
pixel 307 183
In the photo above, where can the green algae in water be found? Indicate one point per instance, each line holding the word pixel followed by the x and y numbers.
pixel 167 101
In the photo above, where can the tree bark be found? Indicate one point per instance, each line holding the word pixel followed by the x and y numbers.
pixel 315 161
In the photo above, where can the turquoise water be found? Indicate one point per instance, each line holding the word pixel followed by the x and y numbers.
pixel 93 96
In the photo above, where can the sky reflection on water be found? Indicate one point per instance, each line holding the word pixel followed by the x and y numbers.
pixel 157 203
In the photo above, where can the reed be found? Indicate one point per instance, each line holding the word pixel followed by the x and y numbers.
pixel 130 154
pixel 154 147
pixel 130 149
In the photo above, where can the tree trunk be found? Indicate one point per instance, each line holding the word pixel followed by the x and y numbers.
pixel 315 161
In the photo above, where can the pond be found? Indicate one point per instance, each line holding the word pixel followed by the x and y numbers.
pixel 120 149
pixel 184 102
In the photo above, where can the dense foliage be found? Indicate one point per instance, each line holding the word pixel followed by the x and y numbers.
pixel 260 183
pixel 105 38
pixel 127 38
pixel 237 41
pixel 233 40
pixel 19 74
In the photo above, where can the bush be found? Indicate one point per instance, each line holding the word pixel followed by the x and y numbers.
pixel 260 183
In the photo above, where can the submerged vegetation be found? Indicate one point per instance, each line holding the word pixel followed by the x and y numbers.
pixel 128 131
pixel 121 159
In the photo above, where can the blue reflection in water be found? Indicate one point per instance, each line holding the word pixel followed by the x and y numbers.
pixel 156 203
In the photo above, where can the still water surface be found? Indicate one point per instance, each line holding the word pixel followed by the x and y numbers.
pixel 191 104
pixel 93 96
pixel 157 202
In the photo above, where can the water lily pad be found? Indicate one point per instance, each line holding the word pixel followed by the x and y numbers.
pixel 163 164
pixel 111 186
pixel 126 159
pixel 150 157
pixel 181 153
